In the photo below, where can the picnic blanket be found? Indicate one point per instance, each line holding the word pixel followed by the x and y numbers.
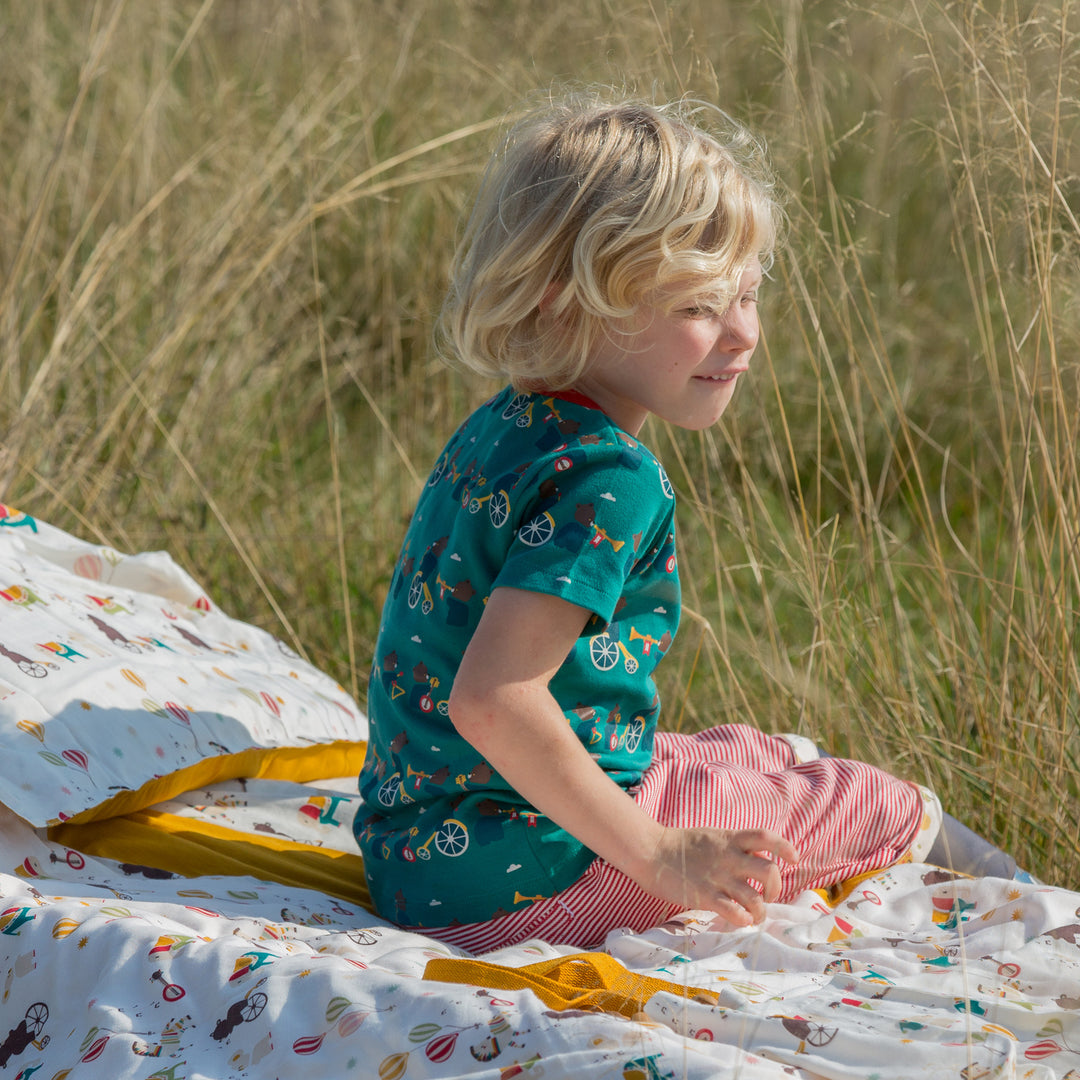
pixel 181 897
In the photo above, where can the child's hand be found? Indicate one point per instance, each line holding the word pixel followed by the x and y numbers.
pixel 713 869
pixel 500 703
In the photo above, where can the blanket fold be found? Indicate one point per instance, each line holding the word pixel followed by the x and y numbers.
pixel 589 981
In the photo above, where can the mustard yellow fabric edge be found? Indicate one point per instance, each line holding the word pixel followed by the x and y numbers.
pixel 836 894
pixel 300 764
pixel 150 838
pixel 593 982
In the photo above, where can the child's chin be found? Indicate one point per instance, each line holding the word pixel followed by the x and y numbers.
pixel 701 423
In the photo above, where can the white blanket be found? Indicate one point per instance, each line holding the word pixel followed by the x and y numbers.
pixel 115 970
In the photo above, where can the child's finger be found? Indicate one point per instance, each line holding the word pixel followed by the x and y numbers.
pixel 789 853
pixel 768 873
pixel 734 913
pixel 749 899
pixel 764 840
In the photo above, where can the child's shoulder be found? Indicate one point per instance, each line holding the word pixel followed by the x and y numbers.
pixel 556 417
pixel 563 440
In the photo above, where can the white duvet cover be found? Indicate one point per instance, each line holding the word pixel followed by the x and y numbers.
pixel 112 968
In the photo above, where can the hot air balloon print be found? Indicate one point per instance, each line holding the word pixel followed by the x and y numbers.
pixel 133 677
pixel 32 727
pixel 78 759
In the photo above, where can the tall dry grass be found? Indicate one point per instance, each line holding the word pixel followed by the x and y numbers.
pixel 225 230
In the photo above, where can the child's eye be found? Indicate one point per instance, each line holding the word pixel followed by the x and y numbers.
pixel 750 298
pixel 698 311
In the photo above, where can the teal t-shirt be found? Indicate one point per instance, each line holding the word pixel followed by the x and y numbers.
pixel 537 492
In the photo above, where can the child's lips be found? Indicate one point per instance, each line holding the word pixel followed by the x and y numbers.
pixel 722 376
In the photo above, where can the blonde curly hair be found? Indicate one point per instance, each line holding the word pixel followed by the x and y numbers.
pixel 589 208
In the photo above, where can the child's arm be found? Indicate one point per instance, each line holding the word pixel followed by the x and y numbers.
pixel 501 704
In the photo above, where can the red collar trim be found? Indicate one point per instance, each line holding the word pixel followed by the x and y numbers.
pixel 575 397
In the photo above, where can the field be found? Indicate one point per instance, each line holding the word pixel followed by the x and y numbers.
pixel 224 237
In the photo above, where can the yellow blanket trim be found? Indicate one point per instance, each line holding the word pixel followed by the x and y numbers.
pixel 838 893
pixel 297 763
pixel 150 838
pixel 594 982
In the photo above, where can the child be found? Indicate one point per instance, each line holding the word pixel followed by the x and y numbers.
pixel 516 785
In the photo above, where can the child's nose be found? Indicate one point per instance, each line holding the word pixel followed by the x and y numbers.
pixel 741 329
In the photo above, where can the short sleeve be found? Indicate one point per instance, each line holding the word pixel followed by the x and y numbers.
pixel 595 514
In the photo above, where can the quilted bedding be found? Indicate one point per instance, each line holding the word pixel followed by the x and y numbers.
pixel 180 896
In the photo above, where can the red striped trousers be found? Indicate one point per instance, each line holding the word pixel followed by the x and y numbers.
pixel 844 818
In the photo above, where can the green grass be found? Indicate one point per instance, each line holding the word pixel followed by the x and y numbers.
pixel 225 233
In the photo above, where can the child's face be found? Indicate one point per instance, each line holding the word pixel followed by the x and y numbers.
pixel 681 367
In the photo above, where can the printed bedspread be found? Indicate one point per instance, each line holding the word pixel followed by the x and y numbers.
pixel 180 897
